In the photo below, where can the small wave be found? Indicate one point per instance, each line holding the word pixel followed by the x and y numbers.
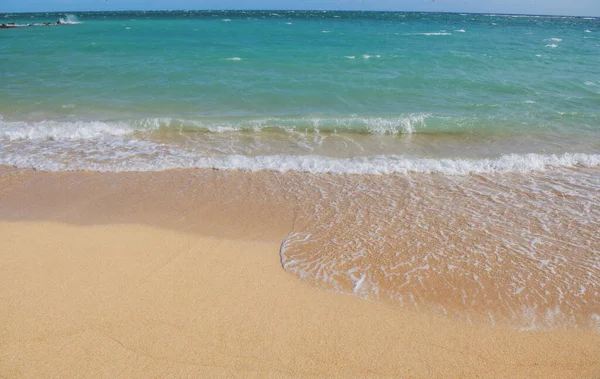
pixel 49 129
pixel 405 124
pixel 53 130
pixel 350 57
pixel 555 39
pixel 587 31
pixel 552 45
pixel 460 31
pixel 226 20
pixel 233 59
pixel 325 31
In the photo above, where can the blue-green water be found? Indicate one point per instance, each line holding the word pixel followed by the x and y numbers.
pixel 155 90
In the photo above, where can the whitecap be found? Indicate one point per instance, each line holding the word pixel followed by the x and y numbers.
pixel 430 34
pixel 233 59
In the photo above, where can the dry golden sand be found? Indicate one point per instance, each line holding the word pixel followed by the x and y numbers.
pixel 136 298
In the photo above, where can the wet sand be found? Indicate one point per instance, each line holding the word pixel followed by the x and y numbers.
pixel 151 278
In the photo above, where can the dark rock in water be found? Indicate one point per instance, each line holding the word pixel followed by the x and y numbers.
pixel 3 26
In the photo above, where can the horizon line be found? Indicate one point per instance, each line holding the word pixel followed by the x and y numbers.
pixel 298 10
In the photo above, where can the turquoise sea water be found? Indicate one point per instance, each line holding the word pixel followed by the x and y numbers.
pixel 155 90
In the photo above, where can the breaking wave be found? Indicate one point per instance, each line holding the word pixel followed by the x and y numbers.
pixel 404 124
pixel 54 130
pixel 160 157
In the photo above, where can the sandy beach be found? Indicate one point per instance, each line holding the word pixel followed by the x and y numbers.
pixel 90 290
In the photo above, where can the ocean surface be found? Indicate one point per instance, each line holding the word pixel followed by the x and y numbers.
pixel 474 139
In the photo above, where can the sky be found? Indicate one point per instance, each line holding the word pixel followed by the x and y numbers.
pixel 546 7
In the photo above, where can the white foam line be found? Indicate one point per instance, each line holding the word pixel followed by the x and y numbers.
pixel 376 165
pixel 78 130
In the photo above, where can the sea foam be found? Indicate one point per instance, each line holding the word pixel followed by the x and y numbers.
pixel 164 158
pixel 53 130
